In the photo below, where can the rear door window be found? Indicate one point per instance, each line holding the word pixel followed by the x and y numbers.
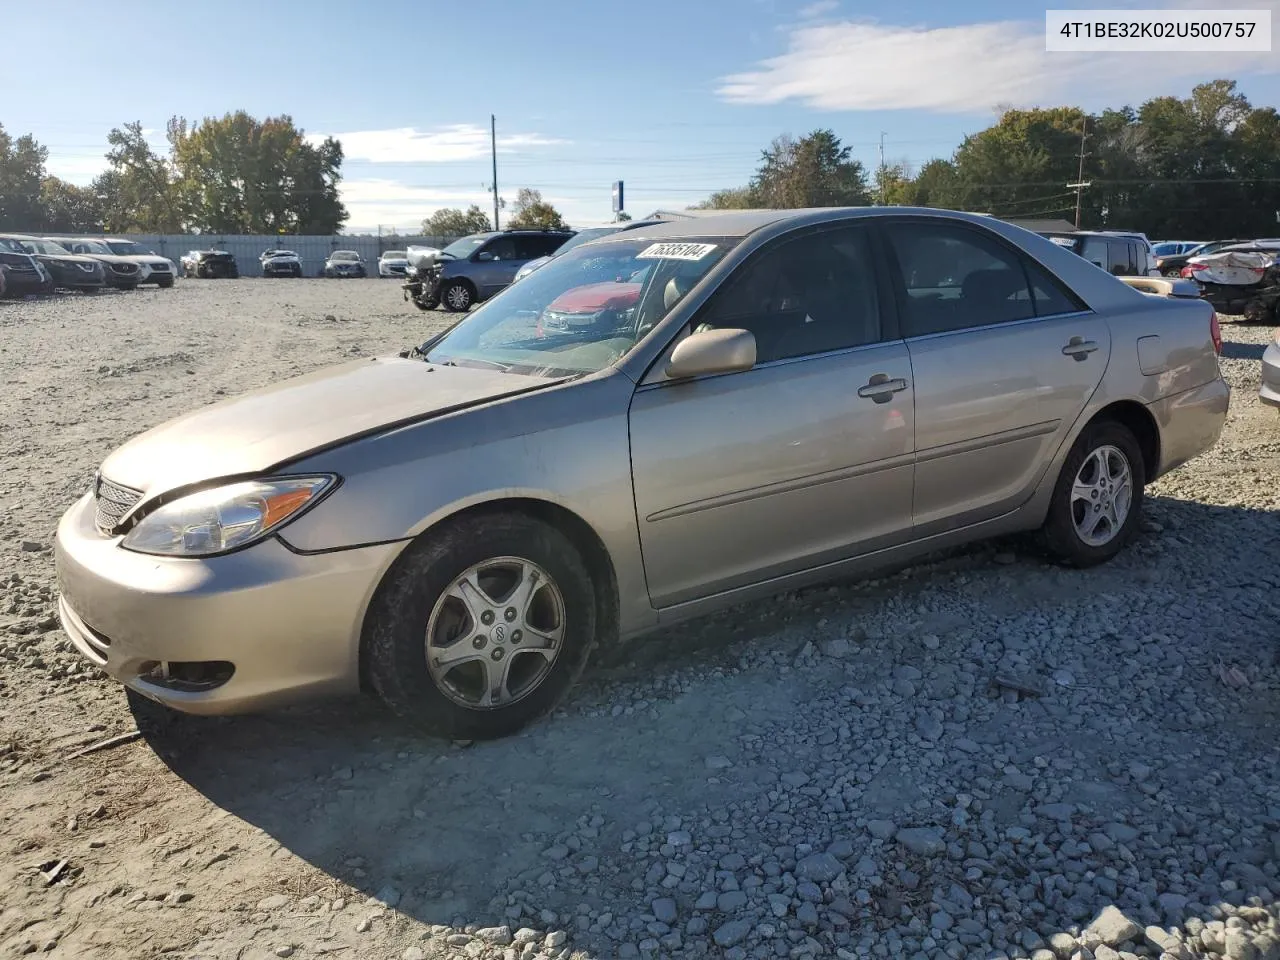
pixel 956 277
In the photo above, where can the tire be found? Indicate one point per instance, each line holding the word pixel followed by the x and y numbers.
pixel 1173 274
pixel 418 603
pixel 457 296
pixel 1065 527
pixel 297 273
pixel 165 284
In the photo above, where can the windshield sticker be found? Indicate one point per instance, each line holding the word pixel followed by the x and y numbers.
pixel 676 251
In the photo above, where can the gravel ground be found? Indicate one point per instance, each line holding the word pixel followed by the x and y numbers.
pixel 850 771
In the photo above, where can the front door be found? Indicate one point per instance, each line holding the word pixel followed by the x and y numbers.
pixel 495 266
pixel 1004 359
pixel 803 459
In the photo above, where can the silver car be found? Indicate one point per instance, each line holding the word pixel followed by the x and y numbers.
pixel 731 407
pixel 1269 392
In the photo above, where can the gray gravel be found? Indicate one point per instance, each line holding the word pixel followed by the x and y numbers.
pixel 835 773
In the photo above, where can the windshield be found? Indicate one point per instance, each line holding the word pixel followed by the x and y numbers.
pixel 92 246
pixel 13 246
pixel 127 248
pixel 345 255
pixel 1165 249
pixel 395 255
pixel 581 312
pixel 281 253
pixel 46 247
pixel 461 249
pixel 583 236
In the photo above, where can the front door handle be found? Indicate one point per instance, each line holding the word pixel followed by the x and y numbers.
pixel 1079 348
pixel 882 387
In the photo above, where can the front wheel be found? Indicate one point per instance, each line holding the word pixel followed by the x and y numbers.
pixel 457 296
pixel 1098 497
pixel 482 627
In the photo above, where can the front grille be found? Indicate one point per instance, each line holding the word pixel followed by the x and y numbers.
pixel 126 268
pixel 112 502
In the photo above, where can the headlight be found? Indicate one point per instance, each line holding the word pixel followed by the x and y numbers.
pixel 224 518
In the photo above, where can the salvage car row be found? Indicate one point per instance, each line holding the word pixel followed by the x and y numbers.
pixel 41 265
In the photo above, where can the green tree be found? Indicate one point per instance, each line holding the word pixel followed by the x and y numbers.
pixel 138 191
pixel 237 174
pixel 68 208
pixel 733 198
pixel 452 222
pixel 814 171
pixel 21 170
pixel 534 213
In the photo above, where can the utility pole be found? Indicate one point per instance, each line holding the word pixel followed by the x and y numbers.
pixel 1080 183
pixel 882 168
pixel 493 149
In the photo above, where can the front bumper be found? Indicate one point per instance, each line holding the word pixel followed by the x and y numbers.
pixel 1269 392
pixel 288 624
pixel 149 273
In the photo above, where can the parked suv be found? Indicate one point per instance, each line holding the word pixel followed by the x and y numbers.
pixel 152 268
pixel 473 269
pixel 345 263
pixel 24 274
pixel 65 269
pixel 281 263
pixel 1120 254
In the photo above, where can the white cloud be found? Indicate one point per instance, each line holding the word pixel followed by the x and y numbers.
pixel 818 9
pixel 462 141
pixel 864 65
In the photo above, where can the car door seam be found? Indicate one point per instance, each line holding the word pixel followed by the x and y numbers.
pixel 783 486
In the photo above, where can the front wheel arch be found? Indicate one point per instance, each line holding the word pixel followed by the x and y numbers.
pixel 580 533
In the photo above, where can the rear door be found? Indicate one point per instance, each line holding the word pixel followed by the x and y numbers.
pixel 1004 358
pixel 802 460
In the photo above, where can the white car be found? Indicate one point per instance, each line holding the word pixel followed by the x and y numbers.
pixel 395 263
pixel 281 263
pixel 152 268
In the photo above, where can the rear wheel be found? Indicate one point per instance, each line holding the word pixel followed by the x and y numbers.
pixel 1097 501
pixel 481 628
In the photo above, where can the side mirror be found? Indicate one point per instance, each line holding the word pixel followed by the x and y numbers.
pixel 712 351
pixel 483 256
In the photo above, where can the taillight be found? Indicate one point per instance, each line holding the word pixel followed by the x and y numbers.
pixel 1215 331
pixel 1185 271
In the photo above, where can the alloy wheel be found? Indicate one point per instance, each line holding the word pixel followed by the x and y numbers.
pixel 495 633
pixel 1101 496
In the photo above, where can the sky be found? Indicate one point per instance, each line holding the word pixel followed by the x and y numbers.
pixel 675 97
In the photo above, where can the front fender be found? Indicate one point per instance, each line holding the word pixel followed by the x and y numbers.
pixel 539 446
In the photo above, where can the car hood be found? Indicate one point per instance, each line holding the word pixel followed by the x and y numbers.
pixel 264 428
pixel 64 258
pixel 597 296
pixel 108 258
pixel 150 259
pixel 533 265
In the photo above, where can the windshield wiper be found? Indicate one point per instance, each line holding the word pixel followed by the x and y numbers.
pixel 491 364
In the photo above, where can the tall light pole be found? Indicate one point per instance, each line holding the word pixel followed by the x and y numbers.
pixel 493 150
pixel 882 168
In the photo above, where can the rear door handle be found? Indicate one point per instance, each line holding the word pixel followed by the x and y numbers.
pixel 881 388
pixel 1079 348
